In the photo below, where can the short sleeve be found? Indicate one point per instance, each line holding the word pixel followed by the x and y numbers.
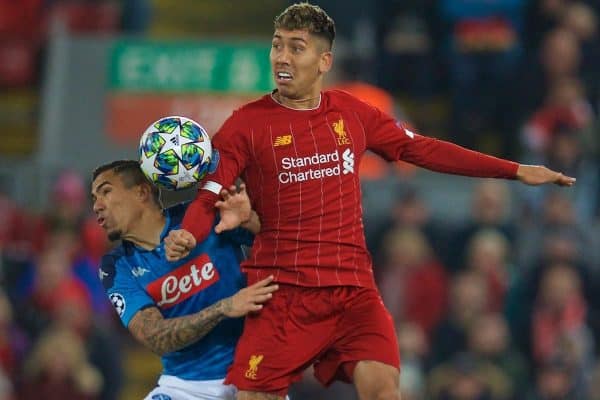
pixel 123 291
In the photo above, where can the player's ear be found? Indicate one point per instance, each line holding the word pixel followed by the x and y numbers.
pixel 325 61
pixel 144 191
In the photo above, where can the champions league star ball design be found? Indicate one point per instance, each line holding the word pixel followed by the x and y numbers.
pixel 118 302
pixel 175 153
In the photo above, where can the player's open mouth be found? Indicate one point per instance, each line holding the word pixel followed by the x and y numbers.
pixel 101 221
pixel 283 76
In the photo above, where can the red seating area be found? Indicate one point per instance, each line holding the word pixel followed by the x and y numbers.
pixel 17 62
pixel 87 17
pixel 24 31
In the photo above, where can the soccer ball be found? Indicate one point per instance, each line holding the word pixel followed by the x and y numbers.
pixel 175 152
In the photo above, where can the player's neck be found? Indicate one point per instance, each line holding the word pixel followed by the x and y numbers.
pixel 147 229
pixel 309 102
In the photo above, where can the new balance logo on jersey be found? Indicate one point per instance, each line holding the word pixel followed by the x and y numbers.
pixel 184 282
pixel 348 162
pixel 283 140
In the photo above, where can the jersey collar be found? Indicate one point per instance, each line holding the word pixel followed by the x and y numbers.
pixel 297 109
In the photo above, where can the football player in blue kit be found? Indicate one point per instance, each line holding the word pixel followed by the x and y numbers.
pixel 186 311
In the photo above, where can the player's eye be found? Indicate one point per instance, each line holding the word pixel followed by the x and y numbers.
pixel 276 46
pixel 297 49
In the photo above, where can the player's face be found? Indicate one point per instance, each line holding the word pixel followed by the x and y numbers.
pixel 115 205
pixel 299 60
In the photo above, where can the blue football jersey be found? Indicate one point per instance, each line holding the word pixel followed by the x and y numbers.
pixel 135 278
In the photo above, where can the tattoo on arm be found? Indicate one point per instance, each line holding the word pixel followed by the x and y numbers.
pixel 166 335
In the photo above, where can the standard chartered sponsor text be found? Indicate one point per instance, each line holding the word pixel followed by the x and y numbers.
pixel 317 159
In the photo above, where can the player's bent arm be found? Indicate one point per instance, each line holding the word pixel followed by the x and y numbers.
pixel 165 335
pixel 200 215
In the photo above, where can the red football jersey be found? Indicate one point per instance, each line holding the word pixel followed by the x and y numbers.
pixel 301 172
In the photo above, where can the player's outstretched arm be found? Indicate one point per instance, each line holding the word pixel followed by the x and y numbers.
pixel 167 335
pixel 539 175
pixel 235 210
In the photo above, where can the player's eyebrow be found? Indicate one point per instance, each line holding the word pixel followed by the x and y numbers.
pixel 293 38
pixel 100 186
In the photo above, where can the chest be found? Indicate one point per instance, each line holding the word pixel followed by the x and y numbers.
pixel 200 279
pixel 314 142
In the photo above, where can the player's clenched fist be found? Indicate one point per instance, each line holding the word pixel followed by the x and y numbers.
pixel 178 244
pixel 249 299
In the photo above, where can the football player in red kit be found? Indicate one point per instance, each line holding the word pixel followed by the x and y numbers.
pixel 298 150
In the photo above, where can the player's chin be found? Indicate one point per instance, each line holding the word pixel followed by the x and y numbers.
pixel 285 90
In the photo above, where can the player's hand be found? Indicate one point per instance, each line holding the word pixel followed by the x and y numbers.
pixel 249 299
pixel 178 244
pixel 539 175
pixel 234 208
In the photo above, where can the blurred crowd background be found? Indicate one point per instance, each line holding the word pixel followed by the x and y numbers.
pixel 494 286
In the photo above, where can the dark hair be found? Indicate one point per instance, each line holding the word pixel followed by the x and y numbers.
pixel 131 174
pixel 307 16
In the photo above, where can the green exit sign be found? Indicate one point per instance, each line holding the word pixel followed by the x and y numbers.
pixel 190 66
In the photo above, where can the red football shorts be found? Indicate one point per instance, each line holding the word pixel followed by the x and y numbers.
pixel 332 327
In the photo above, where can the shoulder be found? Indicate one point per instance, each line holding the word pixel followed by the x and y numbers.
pixel 337 96
pixel 109 264
pixel 370 94
pixel 116 254
pixel 340 99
